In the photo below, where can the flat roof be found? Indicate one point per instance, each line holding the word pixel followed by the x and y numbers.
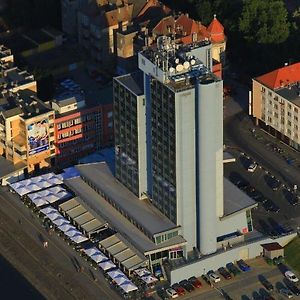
pixel 132 262
pixel 125 254
pixel 235 200
pixel 290 93
pixel 84 218
pixel 127 230
pixel 133 81
pixel 69 204
pixel 7 167
pixel 93 225
pixel 121 250
pixel 272 246
pixel 143 212
pixel 76 211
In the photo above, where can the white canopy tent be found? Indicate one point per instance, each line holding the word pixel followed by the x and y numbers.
pixel 36 183
pixel 60 221
pixel 98 257
pixel 106 265
pixel 50 195
pixel 128 287
pixel 79 238
pixel 48 209
pixel 121 280
pixel 91 251
pixel 115 273
pixel 39 202
pixel 66 227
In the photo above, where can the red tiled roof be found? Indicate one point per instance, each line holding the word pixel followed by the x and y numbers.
pixel 281 77
pixel 216 30
pixel 272 246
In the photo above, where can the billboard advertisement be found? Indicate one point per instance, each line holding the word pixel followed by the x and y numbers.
pixel 38 136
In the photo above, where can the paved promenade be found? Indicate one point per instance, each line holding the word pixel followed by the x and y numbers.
pixel 52 271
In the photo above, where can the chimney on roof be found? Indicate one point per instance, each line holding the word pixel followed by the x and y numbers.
pixel 286 64
pixel 187 15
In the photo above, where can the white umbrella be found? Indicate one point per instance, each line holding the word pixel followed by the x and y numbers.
pixel 121 280
pixel 39 202
pixel 66 227
pixel 91 251
pixel 52 198
pixel 79 238
pixel 128 287
pixel 72 232
pixel 106 265
pixel 98 257
pixel 116 273
pixel 47 210
pixel 60 221
pixel 54 215
pixel 22 191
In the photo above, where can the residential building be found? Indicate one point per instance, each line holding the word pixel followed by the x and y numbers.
pixel 97 22
pixel 168 122
pixel 26 130
pixel 80 128
pixel 275 103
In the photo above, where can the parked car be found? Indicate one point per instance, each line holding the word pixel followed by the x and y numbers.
pixel 195 282
pixel 187 285
pixel 233 269
pixel 239 181
pixel 171 293
pixel 179 289
pixel 290 197
pixel 252 167
pixel 162 294
pixel 224 273
pixel 269 205
pixel 206 279
pixel 272 182
pixel 257 196
pixel 213 276
pixel 243 266
pixel 266 283
pixel 292 287
pixel 286 292
pixel 291 276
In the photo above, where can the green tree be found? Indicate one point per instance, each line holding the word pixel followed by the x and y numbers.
pixel 264 22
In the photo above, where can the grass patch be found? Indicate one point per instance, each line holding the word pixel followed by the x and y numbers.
pixel 292 254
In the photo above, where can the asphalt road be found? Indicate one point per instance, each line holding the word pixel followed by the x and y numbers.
pixel 53 270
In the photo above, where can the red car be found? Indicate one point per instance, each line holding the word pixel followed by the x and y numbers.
pixel 179 289
pixel 195 282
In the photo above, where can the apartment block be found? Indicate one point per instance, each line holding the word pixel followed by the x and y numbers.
pixel 275 103
pixel 80 129
pixel 169 145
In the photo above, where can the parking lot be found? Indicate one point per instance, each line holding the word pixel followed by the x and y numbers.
pixel 277 200
pixel 245 286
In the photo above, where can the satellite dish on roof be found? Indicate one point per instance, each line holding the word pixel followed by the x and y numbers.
pixel 177 61
pixel 186 65
pixel 192 62
pixel 171 70
pixel 179 68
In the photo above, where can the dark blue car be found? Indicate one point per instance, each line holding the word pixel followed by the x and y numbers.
pixel 243 266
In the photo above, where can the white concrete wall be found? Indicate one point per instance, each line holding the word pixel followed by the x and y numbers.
pixel 186 165
pixel 215 261
pixel 142 148
pixel 232 223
